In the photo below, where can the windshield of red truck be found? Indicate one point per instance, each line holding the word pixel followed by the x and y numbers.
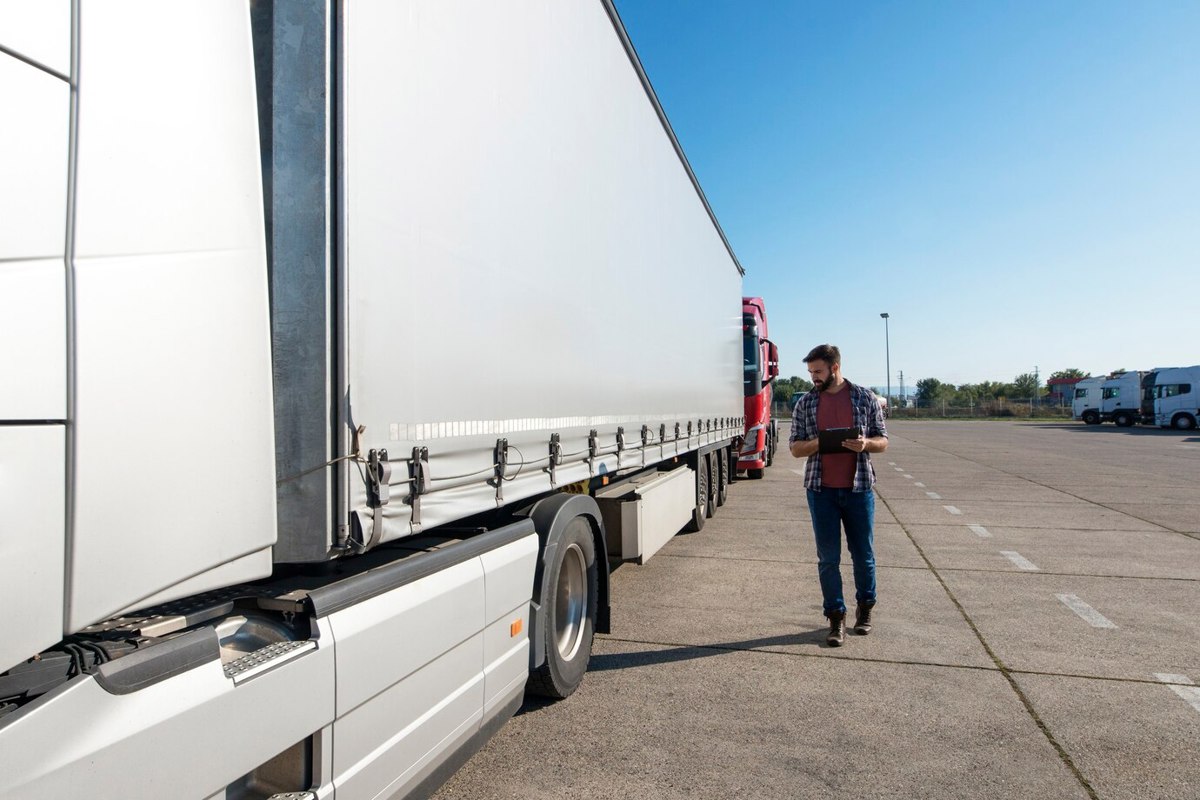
pixel 751 360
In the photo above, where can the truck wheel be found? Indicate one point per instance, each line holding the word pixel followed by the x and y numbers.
pixel 569 596
pixel 1183 422
pixel 1091 418
pixel 714 481
pixel 722 476
pixel 700 512
pixel 1123 419
pixel 754 474
pixel 772 441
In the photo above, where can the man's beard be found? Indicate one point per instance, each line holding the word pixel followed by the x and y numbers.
pixel 825 384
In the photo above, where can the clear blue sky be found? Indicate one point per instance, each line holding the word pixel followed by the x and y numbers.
pixel 1016 183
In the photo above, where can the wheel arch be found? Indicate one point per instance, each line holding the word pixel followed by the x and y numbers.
pixel 550 517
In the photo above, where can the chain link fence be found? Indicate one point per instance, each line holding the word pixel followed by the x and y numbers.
pixel 999 408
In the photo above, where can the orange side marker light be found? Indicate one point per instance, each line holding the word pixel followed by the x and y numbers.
pixel 516 627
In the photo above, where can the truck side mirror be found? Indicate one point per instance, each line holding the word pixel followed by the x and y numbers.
pixel 772 361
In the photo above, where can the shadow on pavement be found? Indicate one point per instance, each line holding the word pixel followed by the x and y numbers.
pixel 670 655
pixel 646 658
pixel 1106 429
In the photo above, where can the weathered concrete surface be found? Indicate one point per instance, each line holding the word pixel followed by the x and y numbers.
pixel 978 681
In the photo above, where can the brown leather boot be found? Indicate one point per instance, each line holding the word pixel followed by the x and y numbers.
pixel 862 619
pixel 837 628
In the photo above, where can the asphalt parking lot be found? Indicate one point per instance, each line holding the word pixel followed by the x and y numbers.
pixel 1037 635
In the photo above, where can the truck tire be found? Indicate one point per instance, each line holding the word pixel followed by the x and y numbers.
pixel 722 476
pixel 772 442
pixel 714 481
pixel 569 598
pixel 1123 419
pixel 1183 422
pixel 1091 418
pixel 755 474
pixel 700 512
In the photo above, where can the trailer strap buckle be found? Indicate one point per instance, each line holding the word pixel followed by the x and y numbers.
pixel 418 476
pixel 500 458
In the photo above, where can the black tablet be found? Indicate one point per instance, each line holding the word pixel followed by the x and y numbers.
pixel 832 438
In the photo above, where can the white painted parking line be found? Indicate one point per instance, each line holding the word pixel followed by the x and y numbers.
pixel 898 469
pixel 1189 692
pixel 953 510
pixel 891 463
pixel 980 531
pixel 910 477
pixel 1021 561
pixel 799 472
pixel 934 496
pixel 919 484
pixel 1090 615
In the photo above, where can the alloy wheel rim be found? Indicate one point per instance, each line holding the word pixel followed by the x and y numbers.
pixel 571 602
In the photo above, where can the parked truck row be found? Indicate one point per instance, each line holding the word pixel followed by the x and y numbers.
pixel 1166 397
pixel 344 344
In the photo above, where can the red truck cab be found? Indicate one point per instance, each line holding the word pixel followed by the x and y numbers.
pixel 760 365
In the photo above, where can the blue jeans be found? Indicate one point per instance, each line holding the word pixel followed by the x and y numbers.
pixel 832 509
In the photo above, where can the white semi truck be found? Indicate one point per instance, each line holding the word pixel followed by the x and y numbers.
pixel 1172 398
pixel 1086 403
pixel 1116 398
pixel 341 343
pixel 1121 399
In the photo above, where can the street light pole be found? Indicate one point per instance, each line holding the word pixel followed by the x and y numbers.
pixel 887 349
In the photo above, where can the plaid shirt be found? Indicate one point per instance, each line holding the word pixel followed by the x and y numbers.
pixel 868 415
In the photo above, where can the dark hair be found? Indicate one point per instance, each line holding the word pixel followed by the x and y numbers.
pixel 824 352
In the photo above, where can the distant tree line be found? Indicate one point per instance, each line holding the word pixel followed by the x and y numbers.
pixel 985 397
pixel 786 387
pixel 1026 386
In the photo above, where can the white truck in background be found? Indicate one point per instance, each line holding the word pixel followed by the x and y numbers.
pixel 1121 399
pixel 1172 398
pixel 1086 403
pixel 1116 398
pixel 341 343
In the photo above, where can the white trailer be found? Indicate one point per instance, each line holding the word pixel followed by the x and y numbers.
pixel 1121 399
pixel 1086 403
pixel 324 326
pixel 1175 397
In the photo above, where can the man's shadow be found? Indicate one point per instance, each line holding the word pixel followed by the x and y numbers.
pixel 670 655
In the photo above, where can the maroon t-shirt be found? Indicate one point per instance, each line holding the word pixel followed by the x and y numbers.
pixel 836 411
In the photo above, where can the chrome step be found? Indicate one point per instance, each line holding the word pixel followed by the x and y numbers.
pixel 266 658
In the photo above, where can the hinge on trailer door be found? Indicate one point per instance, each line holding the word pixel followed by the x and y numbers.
pixel 620 443
pixel 593 446
pixel 662 433
pixel 677 431
pixel 418 476
pixel 500 458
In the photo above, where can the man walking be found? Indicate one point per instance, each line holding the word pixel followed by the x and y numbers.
pixel 840 482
